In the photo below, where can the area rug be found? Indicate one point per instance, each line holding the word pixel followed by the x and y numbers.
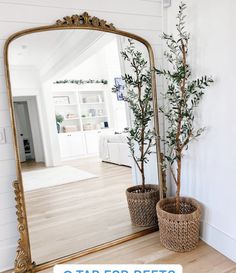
pixel 53 176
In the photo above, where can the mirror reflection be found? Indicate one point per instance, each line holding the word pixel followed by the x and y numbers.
pixel 75 160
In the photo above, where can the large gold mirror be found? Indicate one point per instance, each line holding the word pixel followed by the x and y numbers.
pixel 73 160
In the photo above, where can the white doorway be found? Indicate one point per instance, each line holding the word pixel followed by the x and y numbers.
pixel 28 129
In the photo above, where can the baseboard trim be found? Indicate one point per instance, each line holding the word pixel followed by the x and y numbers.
pixel 219 240
pixel 7 270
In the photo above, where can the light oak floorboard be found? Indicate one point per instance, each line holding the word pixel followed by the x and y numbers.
pixel 69 218
pixel 148 250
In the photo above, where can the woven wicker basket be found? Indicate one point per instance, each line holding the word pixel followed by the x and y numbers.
pixel 142 206
pixel 179 232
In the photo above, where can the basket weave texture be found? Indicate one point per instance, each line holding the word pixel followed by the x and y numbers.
pixel 142 206
pixel 179 232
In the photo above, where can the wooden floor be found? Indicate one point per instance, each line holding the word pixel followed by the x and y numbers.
pixel 69 218
pixel 148 250
pixel 58 213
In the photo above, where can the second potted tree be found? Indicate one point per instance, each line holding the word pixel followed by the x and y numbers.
pixel 142 199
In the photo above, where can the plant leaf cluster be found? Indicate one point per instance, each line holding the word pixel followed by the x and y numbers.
pixel 59 118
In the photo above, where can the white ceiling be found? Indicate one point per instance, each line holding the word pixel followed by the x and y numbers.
pixel 44 49
pixel 33 49
pixel 56 53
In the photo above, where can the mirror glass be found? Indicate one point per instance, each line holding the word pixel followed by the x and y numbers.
pixel 75 160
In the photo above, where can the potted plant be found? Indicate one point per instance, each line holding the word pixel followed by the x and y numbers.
pixel 59 120
pixel 142 199
pixel 179 217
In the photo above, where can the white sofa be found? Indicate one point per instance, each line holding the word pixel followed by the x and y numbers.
pixel 114 149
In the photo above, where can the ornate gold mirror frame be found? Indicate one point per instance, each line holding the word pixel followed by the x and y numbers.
pixel 23 261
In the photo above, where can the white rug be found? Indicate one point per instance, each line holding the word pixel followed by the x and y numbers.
pixel 53 176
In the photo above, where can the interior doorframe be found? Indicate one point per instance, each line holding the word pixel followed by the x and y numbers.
pixel 32 106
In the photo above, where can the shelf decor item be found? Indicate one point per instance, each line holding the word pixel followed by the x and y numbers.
pixel 92 112
pixel 120 88
pixel 59 120
pixel 100 112
pixel 99 99
pixel 142 199
pixel 69 128
pixel 71 116
pixel 88 126
pixel 58 100
pixel 179 217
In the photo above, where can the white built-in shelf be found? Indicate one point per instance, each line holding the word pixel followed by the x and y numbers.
pixel 99 130
pixel 94 117
pixel 83 103
pixel 92 130
pixel 91 103
pixel 69 104
pixel 69 133
pixel 71 118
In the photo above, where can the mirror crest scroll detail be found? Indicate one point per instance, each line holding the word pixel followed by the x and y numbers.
pixel 84 20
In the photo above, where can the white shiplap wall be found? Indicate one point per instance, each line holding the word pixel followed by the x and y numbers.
pixel 209 164
pixel 143 17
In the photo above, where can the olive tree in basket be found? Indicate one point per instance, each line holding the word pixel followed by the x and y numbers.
pixel 141 199
pixel 179 217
